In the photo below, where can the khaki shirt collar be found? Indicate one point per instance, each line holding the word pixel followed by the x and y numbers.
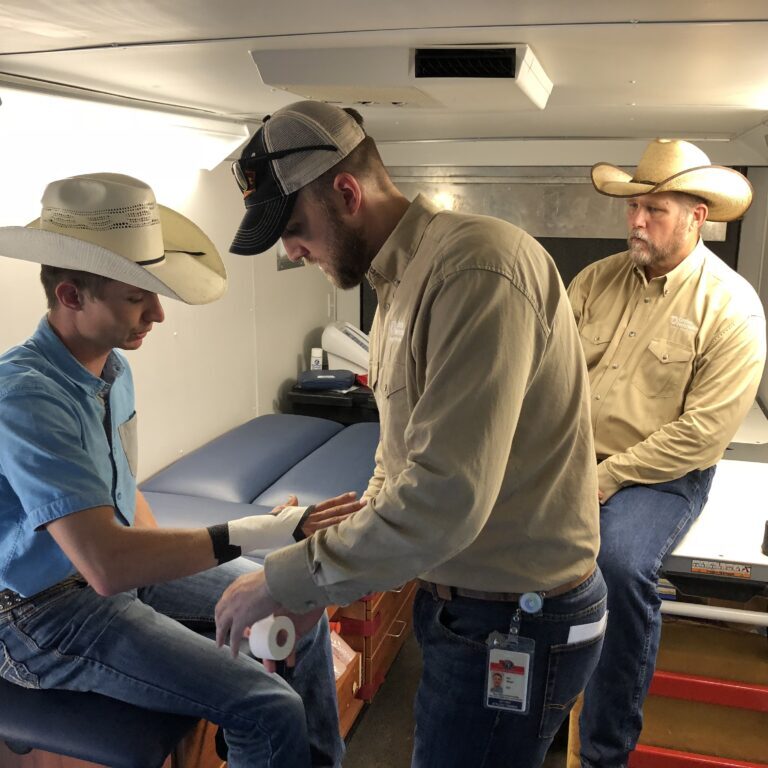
pixel 676 277
pixel 395 255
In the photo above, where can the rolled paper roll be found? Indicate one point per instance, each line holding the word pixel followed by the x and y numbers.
pixel 272 638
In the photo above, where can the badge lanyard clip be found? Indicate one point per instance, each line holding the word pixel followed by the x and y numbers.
pixel 510 662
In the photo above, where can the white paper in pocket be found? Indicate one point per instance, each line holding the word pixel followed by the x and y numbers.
pixel 581 632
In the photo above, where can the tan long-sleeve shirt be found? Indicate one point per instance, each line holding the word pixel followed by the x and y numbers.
pixel 485 469
pixel 674 363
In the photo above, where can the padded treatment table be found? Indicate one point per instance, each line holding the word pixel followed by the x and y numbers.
pixel 721 555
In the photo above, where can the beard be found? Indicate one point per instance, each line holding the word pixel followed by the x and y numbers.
pixel 648 254
pixel 352 256
pixel 644 253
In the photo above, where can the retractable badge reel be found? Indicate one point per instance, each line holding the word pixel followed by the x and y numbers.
pixel 510 662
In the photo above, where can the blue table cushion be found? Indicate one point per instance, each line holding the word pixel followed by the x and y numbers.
pixel 242 463
pixel 344 463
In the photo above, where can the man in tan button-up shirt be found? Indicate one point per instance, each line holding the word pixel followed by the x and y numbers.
pixel 484 485
pixel 675 347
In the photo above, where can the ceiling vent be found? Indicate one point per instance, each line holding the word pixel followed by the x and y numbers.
pixel 465 62
pixel 463 78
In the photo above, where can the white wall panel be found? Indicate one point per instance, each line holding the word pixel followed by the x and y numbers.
pixel 291 310
pixel 196 373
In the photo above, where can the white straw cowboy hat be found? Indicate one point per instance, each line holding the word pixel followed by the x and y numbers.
pixel 111 225
pixel 669 165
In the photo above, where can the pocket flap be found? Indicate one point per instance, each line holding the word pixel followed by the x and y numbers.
pixel 597 333
pixel 393 379
pixel 667 351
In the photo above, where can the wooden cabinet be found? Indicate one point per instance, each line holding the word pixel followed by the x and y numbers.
pixel 376 627
pixel 347 688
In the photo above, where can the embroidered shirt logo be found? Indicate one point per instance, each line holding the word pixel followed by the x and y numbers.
pixel 683 323
pixel 396 330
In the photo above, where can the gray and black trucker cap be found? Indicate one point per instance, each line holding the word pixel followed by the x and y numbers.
pixel 293 147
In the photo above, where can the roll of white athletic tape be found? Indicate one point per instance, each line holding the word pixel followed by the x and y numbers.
pixel 272 638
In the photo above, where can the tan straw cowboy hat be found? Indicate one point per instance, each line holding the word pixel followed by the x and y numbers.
pixel 109 224
pixel 670 165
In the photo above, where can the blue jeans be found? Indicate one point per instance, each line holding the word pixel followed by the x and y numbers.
pixel 639 525
pixel 132 647
pixel 453 727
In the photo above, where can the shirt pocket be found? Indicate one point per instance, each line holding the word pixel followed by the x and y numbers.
pixel 595 338
pixel 392 380
pixel 129 440
pixel 394 415
pixel 664 369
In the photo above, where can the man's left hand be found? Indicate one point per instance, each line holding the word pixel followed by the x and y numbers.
pixel 247 600
pixel 244 602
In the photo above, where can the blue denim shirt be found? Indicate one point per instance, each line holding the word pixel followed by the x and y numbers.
pixel 67 443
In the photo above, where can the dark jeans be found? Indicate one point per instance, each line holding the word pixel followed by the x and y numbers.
pixel 639 525
pixel 453 728
pixel 132 647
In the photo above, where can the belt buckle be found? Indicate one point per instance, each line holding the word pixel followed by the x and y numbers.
pixel 438 591
pixel 443 591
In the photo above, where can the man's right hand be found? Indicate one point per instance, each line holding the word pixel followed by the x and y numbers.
pixel 289 522
pixel 331 512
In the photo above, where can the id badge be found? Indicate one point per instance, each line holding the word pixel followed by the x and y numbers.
pixel 508 673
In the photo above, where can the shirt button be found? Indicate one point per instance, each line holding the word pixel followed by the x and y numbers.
pixel 646 300
pixel 119 495
pixel 597 397
pixel 596 339
pixel 665 358
pixel 632 333
pixel 615 365
pixel 386 305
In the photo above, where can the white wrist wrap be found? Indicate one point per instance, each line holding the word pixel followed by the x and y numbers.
pixel 265 532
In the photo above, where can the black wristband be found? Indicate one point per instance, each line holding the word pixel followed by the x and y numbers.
pixel 298 534
pixel 223 551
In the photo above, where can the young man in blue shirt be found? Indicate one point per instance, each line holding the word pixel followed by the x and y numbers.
pixel 90 587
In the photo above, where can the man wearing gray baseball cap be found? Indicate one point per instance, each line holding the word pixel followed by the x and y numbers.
pixel 484 486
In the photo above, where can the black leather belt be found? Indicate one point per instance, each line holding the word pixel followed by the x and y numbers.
pixel 444 592
pixel 10 599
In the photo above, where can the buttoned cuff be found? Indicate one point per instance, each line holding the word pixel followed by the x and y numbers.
pixel 606 482
pixel 289 579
